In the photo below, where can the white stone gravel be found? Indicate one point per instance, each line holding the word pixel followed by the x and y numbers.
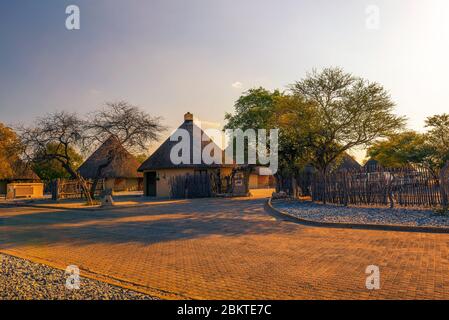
pixel 361 215
pixel 24 280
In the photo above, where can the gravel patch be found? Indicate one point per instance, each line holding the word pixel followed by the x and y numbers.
pixel 23 280
pixel 361 215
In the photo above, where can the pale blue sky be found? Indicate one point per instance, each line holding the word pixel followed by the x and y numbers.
pixel 176 56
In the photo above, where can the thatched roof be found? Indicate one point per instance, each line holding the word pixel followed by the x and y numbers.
pixel 21 172
pixel 348 163
pixel 372 165
pixel 123 165
pixel 160 159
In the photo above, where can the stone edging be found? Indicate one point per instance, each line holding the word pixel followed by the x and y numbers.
pixel 382 227
pixel 85 209
pixel 80 208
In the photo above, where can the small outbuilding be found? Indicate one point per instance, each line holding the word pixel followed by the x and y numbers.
pixel 261 178
pixel 348 163
pixel 372 165
pixel 120 174
pixel 159 170
pixel 22 183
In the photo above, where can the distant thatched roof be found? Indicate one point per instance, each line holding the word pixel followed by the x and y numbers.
pixel 160 159
pixel 123 165
pixel 372 165
pixel 348 163
pixel 21 171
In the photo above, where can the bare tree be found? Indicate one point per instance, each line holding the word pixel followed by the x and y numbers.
pixel 65 132
pixel 132 127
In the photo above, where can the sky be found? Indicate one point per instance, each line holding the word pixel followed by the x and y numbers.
pixel 174 56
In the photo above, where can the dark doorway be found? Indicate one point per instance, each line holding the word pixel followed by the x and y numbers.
pixel 3 187
pixel 151 184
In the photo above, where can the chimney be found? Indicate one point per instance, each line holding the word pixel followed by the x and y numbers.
pixel 188 117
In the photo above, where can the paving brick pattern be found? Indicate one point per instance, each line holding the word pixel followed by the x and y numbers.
pixel 228 249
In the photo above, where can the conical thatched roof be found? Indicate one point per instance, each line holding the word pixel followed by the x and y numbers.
pixel 348 163
pixel 372 165
pixel 21 171
pixel 160 159
pixel 123 165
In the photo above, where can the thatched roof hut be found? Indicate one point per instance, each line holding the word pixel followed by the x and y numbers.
pixel 348 163
pixel 160 172
pixel 160 159
pixel 123 165
pixel 21 172
pixel 372 165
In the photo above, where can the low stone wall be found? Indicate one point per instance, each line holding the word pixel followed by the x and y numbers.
pixel 24 190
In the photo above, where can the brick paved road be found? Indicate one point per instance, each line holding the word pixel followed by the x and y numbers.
pixel 227 249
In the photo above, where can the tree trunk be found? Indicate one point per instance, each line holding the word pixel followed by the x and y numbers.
pixel 294 186
pixel 278 178
pixel 55 189
pixel 324 175
pixel 444 186
pixel 345 189
pixel 98 174
pixel 93 188
pixel 75 175
pixel 390 192
pixel 246 175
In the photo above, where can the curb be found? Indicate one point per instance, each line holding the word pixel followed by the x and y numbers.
pixel 378 227
pixel 86 208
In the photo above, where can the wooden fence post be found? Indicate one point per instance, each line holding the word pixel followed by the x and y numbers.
pixel 390 191
pixel 55 185
pixel 444 185
pixel 345 189
pixel 53 189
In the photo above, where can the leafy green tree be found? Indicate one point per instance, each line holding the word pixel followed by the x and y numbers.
pixel 324 115
pixel 253 110
pixel 10 149
pixel 350 112
pixel 297 121
pixel 438 139
pixel 402 149
pixel 430 149
pixel 261 108
pixel 141 157
pixel 49 168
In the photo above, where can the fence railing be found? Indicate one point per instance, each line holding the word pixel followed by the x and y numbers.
pixel 408 187
pixel 71 189
pixel 196 185
pixel 201 185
